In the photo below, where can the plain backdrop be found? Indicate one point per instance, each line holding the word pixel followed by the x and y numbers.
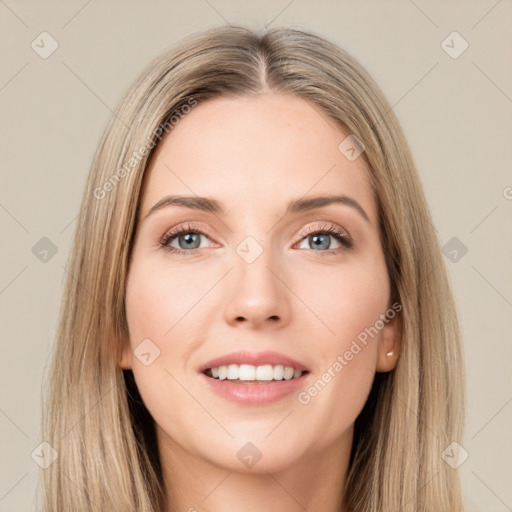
pixel 454 104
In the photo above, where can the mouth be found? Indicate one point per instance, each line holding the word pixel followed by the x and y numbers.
pixel 254 378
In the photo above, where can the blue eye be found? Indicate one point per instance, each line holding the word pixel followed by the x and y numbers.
pixel 319 239
pixel 188 239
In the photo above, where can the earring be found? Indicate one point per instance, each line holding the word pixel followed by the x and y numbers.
pixel 390 353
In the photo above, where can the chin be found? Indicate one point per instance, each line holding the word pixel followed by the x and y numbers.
pixel 254 454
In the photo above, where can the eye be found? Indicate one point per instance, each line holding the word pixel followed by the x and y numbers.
pixel 318 238
pixel 183 240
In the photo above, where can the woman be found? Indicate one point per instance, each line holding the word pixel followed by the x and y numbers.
pixel 257 314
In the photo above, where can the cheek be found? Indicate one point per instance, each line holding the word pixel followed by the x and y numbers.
pixel 344 300
pixel 161 301
pixel 349 305
pixel 155 309
pixel 166 314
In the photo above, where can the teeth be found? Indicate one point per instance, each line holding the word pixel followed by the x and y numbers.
pixel 289 373
pixel 246 372
pixel 266 372
pixel 232 372
pixel 278 372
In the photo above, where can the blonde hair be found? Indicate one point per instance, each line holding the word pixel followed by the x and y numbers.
pixel 93 415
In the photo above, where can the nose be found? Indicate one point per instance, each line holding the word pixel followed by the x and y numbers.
pixel 256 296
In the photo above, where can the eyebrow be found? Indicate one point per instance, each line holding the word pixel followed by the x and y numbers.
pixel 296 206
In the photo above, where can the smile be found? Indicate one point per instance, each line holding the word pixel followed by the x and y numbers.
pixel 251 373
pixel 254 378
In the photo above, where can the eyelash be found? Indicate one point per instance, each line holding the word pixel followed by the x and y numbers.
pixel 325 229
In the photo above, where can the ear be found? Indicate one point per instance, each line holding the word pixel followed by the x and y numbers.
pixel 126 359
pixel 390 343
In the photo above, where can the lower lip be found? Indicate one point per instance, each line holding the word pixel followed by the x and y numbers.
pixel 255 394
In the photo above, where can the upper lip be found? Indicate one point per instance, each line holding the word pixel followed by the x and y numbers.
pixel 253 358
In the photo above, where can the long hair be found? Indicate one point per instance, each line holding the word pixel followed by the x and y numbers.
pixel 92 413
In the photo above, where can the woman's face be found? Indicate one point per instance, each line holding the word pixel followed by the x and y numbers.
pixel 253 281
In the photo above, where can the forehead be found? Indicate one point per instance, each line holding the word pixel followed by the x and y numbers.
pixel 255 152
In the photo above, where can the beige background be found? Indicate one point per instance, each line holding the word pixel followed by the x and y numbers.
pixel 456 114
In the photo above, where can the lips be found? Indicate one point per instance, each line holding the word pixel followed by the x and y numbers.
pixel 254 392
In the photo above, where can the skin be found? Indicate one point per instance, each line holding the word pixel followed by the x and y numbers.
pixel 255 155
